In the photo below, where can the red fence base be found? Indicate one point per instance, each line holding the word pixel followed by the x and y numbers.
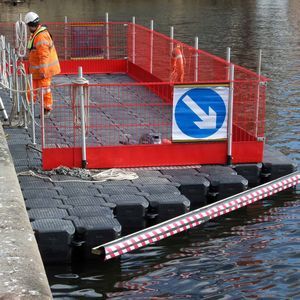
pixel 147 155
pixel 93 66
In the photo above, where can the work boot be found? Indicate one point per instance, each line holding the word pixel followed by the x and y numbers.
pixel 47 113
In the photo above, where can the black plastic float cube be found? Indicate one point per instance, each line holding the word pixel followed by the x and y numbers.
pixel 180 172
pixel 167 206
pixel 47 213
pixel 195 188
pixel 151 180
pixel 154 189
pixel 216 170
pixel 129 207
pixel 75 191
pixel 119 189
pixel 54 238
pixel 94 231
pixel 87 201
pixel 39 194
pixel 90 211
pixel 43 203
pixel 224 185
pixel 251 172
pixel 34 183
pixel 276 165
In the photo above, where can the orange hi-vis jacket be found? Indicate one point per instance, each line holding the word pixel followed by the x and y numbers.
pixel 43 60
pixel 177 64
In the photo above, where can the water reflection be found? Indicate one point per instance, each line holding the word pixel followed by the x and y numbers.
pixel 243 263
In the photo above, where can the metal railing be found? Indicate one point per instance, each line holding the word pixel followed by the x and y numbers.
pixel 194 218
pixel 119 114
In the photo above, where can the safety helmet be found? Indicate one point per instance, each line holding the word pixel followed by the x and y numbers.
pixel 32 18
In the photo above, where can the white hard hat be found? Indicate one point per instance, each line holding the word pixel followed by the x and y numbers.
pixel 31 17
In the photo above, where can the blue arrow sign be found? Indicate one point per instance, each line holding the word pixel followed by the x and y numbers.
pixel 200 113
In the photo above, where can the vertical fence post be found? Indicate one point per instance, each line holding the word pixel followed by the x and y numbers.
pixel 228 58
pixel 17 88
pixel 13 81
pixel 82 115
pixel 9 70
pixel 2 108
pixel 258 92
pixel 107 35
pixel 3 75
pixel 230 116
pixel 133 40
pixel 24 102
pixel 66 37
pixel 151 46
pixel 43 117
pixel 80 91
pixel 171 39
pixel 196 58
pixel 2 59
pixel 32 109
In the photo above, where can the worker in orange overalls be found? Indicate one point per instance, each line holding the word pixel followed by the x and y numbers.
pixel 177 64
pixel 43 60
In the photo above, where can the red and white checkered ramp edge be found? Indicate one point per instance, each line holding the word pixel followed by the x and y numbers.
pixel 194 218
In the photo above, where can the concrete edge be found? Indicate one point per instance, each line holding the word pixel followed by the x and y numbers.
pixel 22 273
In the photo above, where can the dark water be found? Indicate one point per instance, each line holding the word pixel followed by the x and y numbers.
pixel 250 254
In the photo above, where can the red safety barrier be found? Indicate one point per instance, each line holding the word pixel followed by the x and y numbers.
pixel 194 218
pixel 120 111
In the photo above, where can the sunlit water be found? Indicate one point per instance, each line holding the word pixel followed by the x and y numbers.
pixel 250 254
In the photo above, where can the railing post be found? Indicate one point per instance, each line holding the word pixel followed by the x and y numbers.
pixel 230 116
pixel 3 74
pixel 43 118
pixel 151 46
pixel 171 39
pixel 9 70
pixel 258 92
pixel 228 54
pixel 196 58
pixel 133 40
pixel 107 35
pixel 79 88
pixel 32 109
pixel 24 102
pixel 17 88
pixel 2 108
pixel 65 37
pixel 13 93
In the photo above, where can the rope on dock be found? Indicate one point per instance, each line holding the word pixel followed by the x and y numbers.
pixel 84 174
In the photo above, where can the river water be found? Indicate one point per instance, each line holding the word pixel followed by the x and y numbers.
pixel 250 254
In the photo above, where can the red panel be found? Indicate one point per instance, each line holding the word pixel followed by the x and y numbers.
pixel 154 155
pixel 93 66
pixel 157 155
pixel 55 157
pixel 141 75
pixel 247 152
pixel 239 134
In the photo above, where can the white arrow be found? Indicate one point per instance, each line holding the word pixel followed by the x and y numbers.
pixel 209 121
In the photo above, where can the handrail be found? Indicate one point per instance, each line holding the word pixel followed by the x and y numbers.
pixel 194 218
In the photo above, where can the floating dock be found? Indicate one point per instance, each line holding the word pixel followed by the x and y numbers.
pixel 123 110
pixel 70 218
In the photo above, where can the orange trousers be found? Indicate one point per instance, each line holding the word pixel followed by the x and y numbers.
pixel 43 83
pixel 177 74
